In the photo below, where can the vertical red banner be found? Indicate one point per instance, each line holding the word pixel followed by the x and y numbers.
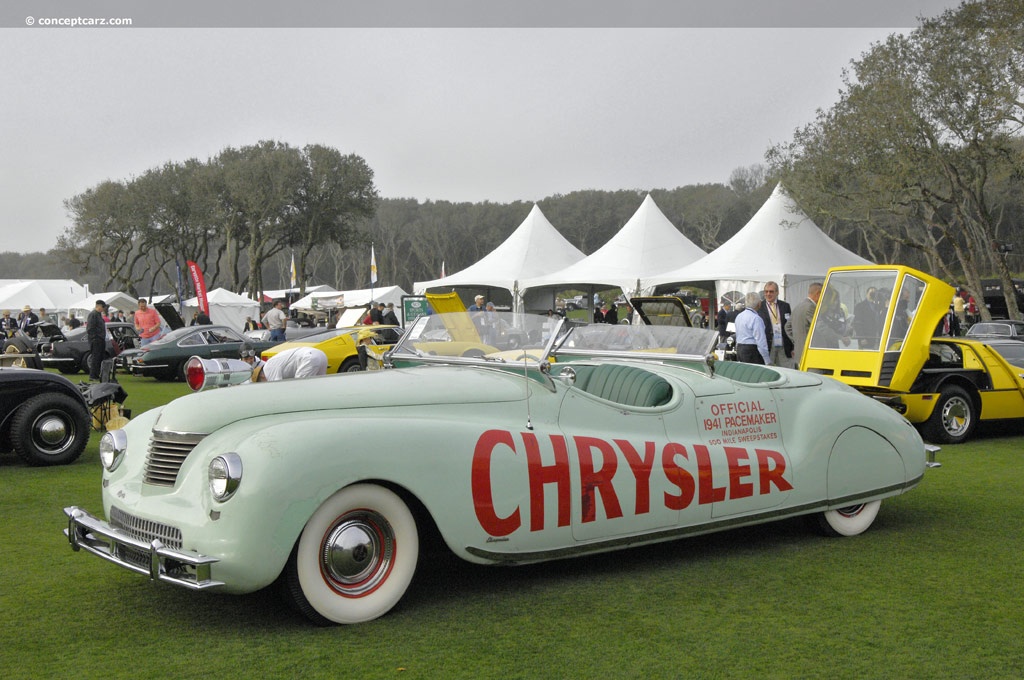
pixel 200 286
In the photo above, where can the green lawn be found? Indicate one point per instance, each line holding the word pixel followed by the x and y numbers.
pixel 934 589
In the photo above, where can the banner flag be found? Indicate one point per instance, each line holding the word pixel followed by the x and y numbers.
pixel 181 291
pixel 294 277
pixel 373 267
pixel 200 286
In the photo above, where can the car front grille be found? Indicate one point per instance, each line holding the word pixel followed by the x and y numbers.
pixel 167 453
pixel 144 529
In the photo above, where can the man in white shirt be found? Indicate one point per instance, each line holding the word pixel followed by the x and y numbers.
pixel 751 341
pixel 275 320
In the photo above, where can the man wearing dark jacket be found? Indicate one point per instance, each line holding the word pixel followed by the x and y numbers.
pixel 775 313
pixel 96 331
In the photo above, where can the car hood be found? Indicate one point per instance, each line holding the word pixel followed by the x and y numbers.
pixel 208 411
pixel 170 315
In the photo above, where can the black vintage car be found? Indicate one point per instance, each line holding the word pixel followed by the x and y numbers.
pixel 44 418
pixel 69 351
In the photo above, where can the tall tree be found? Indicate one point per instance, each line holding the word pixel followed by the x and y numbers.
pixel 264 182
pixel 925 131
pixel 106 235
pixel 336 192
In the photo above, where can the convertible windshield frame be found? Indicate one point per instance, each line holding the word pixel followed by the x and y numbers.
pixel 517 340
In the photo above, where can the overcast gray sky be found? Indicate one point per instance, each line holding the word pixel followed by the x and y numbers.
pixel 470 113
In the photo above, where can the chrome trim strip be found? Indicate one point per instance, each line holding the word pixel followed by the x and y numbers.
pixel 179 567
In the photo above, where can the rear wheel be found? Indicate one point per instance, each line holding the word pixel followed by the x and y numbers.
pixel 954 418
pixel 50 429
pixel 349 365
pixel 355 557
pixel 848 521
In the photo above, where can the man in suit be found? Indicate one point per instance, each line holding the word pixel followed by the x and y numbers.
pixel 776 313
pixel 28 321
pixel 800 321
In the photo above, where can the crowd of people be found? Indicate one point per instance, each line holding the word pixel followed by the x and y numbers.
pixel 766 329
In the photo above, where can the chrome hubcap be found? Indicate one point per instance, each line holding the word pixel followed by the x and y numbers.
pixel 51 432
pixel 357 553
pixel 956 416
pixel 851 511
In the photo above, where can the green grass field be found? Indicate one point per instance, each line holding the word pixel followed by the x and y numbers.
pixel 935 589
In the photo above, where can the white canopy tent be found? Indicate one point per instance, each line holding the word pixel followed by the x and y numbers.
pixel 533 249
pixel 226 308
pixel 342 299
pixel 779 243
pixel 646 245
pixel 282 293
pixel 116 301
pixel 56 295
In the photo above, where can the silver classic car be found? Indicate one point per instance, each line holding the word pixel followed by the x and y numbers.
pixel 518 438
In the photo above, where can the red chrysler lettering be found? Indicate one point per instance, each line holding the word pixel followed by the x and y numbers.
pixel 483 498
pixel 592 479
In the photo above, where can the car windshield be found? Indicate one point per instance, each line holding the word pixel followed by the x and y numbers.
pixel 989 329
pixel 854 307
pixel 506 337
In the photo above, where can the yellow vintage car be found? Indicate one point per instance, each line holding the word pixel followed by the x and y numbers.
pixel 875 329
pixel 341 345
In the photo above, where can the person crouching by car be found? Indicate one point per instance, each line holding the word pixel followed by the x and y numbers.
pixel 298 362
pixel 96 331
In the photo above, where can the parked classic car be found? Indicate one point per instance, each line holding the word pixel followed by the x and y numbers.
pixel 945 385
pixel 341 345
pixel 996 329
pixel 69 351
pixel 634 435
pixel 165 359
pixel 43 416
pixel 293 331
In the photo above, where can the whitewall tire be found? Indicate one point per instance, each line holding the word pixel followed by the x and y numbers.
pixel 355 557
pixel 849 521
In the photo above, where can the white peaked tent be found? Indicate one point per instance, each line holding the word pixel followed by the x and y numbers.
pixel 226 308
pixel 56 295
pixel 780 243
pixel 533 249
pixel 646 245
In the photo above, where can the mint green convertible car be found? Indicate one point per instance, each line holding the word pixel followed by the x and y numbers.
pixel 538 444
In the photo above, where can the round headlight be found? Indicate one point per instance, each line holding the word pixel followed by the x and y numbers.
pixel 113 444
pixel 225 475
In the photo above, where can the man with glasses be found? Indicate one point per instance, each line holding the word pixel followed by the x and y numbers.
pixel 776 313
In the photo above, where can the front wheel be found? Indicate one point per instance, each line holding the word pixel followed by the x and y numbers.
pixel 954 418
pixel 355 557
pixel 849 521
pixel 50 429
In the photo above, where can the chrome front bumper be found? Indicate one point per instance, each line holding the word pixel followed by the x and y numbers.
pixel 182 568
